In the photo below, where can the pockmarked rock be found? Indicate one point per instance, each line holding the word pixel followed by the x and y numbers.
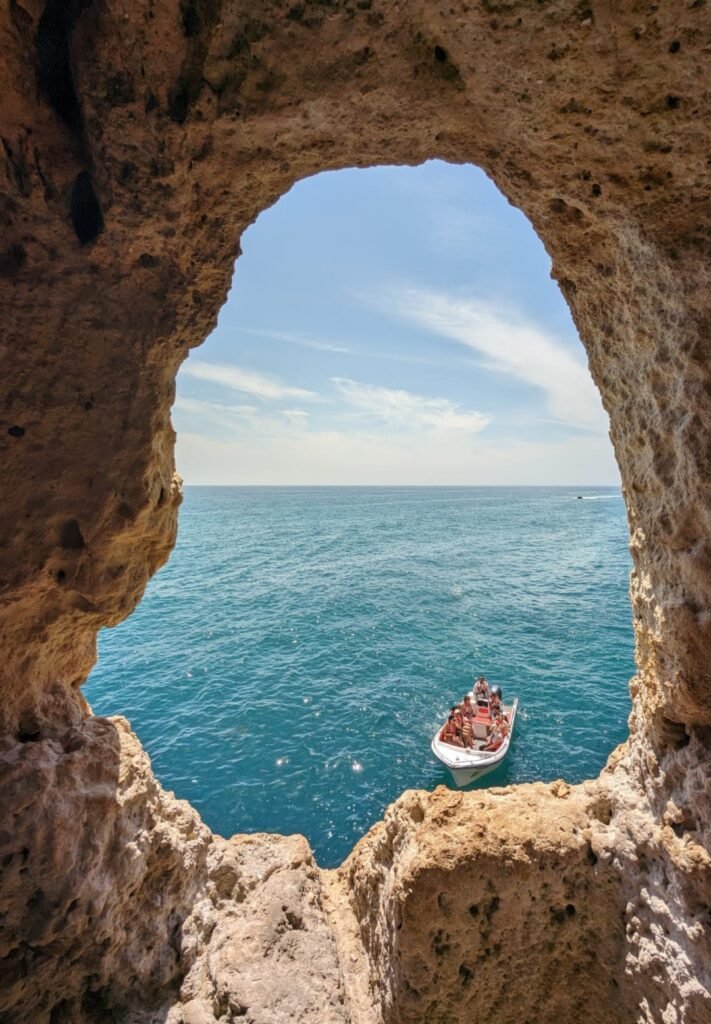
pixel 137 144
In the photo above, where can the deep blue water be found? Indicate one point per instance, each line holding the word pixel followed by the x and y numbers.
pixel 287 669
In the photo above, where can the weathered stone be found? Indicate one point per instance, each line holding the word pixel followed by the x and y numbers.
pixel 137 143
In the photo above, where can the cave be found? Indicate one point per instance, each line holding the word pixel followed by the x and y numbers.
pixel 137 146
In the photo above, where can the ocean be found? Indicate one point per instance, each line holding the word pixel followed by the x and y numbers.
pixel 287 668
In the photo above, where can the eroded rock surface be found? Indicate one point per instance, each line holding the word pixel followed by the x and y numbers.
pixel 99 870
pixel 114 892
pixel 137 143
pixel 258 945
pixel 528 903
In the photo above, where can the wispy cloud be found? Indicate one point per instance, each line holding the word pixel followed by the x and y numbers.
pixel 213 411
pixel 246 382
pixel 237 419
pixel 509 344
pixel 362 352
pixel 405 410
pixel 298 339
pixel 296 417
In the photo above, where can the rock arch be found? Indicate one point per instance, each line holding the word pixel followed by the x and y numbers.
pixel 137 144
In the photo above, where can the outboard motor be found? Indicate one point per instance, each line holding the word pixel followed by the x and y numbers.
pixel 497 690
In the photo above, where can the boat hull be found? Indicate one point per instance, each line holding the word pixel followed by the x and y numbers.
pixel 464 776
pixel 467 766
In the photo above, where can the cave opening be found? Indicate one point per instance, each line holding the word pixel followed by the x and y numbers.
pixel 383 443
pixel 115 896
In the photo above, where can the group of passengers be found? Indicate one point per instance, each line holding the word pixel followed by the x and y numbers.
pixel 458 730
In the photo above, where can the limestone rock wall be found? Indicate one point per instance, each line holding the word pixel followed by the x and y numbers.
pixel 533 903
pixel 137 143
pixel 99 871
pixel 463 899
pixel 118 903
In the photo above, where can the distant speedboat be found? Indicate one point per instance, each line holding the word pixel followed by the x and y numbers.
pixel 467 764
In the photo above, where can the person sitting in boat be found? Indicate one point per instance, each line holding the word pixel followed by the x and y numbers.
pixel 502 715
pixel 447 732
pixel 481 689
pixel 494 702
pixel 502 723
pixel 452 729
pixel 495 738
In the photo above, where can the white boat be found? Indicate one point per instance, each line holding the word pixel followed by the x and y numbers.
pixel 470 763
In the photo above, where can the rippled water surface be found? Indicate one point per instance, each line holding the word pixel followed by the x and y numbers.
pixel 287 669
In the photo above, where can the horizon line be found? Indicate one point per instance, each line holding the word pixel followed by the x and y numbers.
pixel 571 487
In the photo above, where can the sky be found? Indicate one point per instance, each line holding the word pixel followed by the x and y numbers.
pixel 392 326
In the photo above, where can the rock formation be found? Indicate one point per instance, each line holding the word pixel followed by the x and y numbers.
pixel 138 141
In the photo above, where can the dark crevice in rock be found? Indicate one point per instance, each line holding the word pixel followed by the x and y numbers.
pixel 17 166
pixel 199 18
pixel 54 66
pixel 29 730
pixel 87 218
pixel 71 537
pixel 55 78
pixel 673 734
pixel 466 974
pixel 25 736
pixel 12 260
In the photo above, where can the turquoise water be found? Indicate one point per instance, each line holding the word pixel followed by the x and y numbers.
pixel 287 669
